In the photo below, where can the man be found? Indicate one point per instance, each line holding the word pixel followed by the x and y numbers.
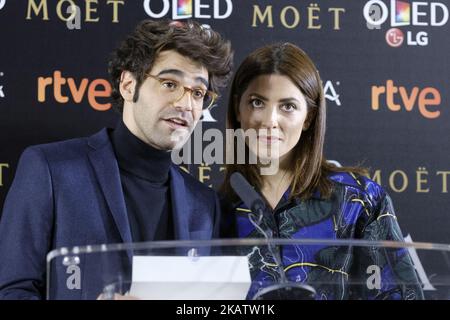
pixel 118 186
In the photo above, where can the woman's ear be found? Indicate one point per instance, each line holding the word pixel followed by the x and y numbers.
pixel 127 85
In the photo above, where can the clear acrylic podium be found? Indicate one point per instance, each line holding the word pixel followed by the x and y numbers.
pixel 322 270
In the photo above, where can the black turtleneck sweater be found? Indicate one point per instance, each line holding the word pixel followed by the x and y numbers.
pixel 144 173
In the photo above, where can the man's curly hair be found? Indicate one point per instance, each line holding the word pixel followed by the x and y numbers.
pixel 138 52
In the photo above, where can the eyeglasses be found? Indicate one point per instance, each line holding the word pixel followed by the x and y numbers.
pixel 202 98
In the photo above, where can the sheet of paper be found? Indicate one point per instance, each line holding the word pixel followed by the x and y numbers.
pixel 190 278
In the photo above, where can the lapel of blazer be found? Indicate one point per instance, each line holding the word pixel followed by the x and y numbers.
pixel 180 206
pixel 106 168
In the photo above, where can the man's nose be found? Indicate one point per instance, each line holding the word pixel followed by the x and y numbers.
pixel 185 102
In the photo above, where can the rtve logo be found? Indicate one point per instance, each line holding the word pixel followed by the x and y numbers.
pixel 183 9
pixel 398 98
pixel 67 90
pixel 403 13
pixel 72 9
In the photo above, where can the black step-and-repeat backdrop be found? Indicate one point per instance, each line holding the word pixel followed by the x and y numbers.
pixel 385 66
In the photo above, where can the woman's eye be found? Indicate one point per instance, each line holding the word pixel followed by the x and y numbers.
pixel 256 103
pixel 289 107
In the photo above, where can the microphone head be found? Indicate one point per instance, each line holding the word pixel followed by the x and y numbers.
pixel 246 192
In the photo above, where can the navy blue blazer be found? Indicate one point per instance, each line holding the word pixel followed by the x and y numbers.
pixel 68 194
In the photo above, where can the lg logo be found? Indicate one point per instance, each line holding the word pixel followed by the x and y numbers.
pixel 2 4
pixel 394 37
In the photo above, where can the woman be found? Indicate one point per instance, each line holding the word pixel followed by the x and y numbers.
pixel 277 92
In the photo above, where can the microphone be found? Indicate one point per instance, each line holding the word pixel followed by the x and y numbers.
pixel 248 195
pixel 285 289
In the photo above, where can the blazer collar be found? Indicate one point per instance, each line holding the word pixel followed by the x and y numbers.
pixel 105 165
pixel 180 206
pixel 107 170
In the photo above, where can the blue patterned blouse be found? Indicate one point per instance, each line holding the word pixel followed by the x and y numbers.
pixel 358 209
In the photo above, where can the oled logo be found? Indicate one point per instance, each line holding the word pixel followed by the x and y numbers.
pixel 406 14
pixel 2 94
pixel 2 4
pixel 67 89
pixel 184 9
pixel 397 98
